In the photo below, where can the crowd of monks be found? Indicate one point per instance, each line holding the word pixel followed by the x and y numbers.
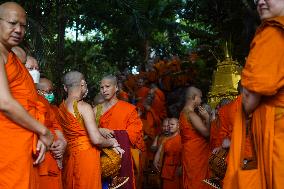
pixel 158 142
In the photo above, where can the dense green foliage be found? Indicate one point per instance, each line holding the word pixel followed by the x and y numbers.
pixel 113 35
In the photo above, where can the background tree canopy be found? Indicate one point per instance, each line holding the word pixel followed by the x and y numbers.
pixel 111 35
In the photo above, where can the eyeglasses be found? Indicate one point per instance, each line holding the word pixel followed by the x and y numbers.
pixel 14 24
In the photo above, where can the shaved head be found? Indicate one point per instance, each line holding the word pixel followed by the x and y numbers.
pixel 12 24
pixel 20 53
pixel 72 78
pixel 111 78
pixel 31 63
pixel 11 6
pixel 44 84
pixel 191 92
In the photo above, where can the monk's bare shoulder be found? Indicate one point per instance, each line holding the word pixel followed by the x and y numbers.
pixel 84 107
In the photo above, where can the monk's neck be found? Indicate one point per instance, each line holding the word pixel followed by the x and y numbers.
pixel 4 52
pixel 189 106
pixel 108 104
pixel 74 97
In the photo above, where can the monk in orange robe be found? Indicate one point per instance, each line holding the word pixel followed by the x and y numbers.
pixel 121 94
pixel 141 93
pixel 82 162
pixel 263 107
pixel 171 152
pixel 194 131
pixel 117 115
pixel 50 169
pixel 18 104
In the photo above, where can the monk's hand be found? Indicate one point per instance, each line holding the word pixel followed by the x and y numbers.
pixel 107 133
pixel 216 150
pixel 119 151
pixel 203 113
pixel 41 148
pixel 156 165
pixel 226 143
pixel 58 148
pixel 46 138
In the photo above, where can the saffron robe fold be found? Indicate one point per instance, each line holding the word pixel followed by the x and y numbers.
pixel 50 174
pixel 124 117
pixel 16 142
pixel 171 161
pixel 82 168
pixel 195 153
pixel 263 74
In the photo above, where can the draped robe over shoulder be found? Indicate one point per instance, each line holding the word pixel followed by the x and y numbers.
pixel 123 117
pixel 172 160
pixel 82 168
pixel 262 74
pixel 195 152
pixel 16 142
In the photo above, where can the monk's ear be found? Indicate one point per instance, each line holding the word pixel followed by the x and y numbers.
pixel 116 88
pixel 65 88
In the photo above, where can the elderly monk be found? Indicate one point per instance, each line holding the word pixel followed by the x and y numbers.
pixel 17 106
pixel 120 118
pixel 50 169
pixel 171 152
pixel 82 162
pixel 263 102
pixel 194 131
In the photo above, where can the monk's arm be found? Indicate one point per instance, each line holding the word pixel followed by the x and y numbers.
pixel 89 120
pixel 158 157
pixel 154 146
pixel 250 101
pixel 198 124
pixel 13 110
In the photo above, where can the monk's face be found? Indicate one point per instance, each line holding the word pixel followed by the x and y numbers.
pixel 140 83
pixel 198 99
pixel 31 64
pixel 270 8
pixel 12 26
pixel 165 126
pixel 173 125
pixel 108 89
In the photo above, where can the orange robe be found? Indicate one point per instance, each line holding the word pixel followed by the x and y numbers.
pixel 50 174
pixel 171 162
pixel 82 168
pixel 227 116
pixel 122 95
pixel 141 95
pixel 215 140
pixel 195 152
pixel 263 74
pixel 16 143
pixel 123 116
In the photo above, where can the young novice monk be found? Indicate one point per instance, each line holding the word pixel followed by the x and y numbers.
pixel 171 155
